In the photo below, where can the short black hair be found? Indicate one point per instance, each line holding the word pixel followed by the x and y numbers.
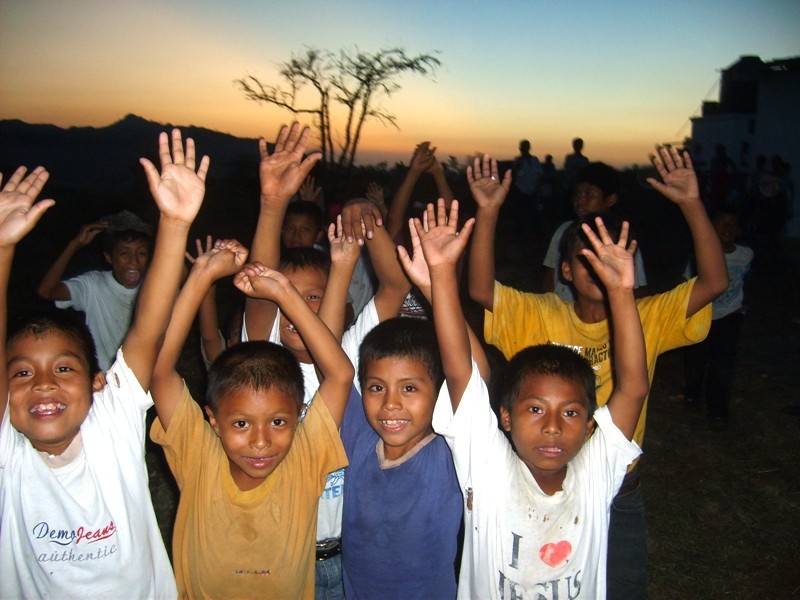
pixel 301 258
pixel 112 238
pixel 574 234
pixel 256 365
pixel 600 175
pixel 40 322
pixel 312 210
pixel 548 359
pixel 414 339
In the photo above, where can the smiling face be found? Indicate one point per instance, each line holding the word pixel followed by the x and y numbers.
pixel 399 396
pixel 310 282
pixel 129 260
pixel 256 429
pixel 549 423
pixel 50 389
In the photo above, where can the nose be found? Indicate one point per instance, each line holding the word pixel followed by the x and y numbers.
pixel 391 401
pixel 551 424
pixel 261 438
pixel 44 380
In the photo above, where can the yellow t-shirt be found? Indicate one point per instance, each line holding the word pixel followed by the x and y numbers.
pixel 258 543
pixel 522 319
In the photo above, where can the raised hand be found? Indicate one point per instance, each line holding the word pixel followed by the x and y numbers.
pixel 219 259
pixel 680 181
pixel 178 190
pixel 423 157
pixel 282 172
pixel 359 219
pixel 257 281
pixel 484 183
pixel 342 250
pixel 375 194
pixel 18 213
pixel 613 262
pixel 90 231
pixel 435 242
pixel 310 192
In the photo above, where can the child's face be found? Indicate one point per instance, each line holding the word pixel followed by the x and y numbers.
pixel 583 278
pixel 256 429
pixel 50 389
pixel 399 396
pixel 589 198
pixel 299 231
pixel 549 423
pixel 129 261
pixel 310 282
pixel 727 228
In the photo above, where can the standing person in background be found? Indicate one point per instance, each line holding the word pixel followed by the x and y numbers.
pixel 573 163
pixel 523 202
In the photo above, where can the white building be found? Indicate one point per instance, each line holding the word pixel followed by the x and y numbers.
pixel 758 112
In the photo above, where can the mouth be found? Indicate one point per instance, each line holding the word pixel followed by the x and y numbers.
pixel 393 425
pixel 550 451
pixel 47 409
pixel 131 276
pixel 259 462
pixel 290 328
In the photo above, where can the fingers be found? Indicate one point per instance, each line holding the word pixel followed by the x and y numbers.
pixel 163 149
pixel 283 135
pixel 262 148
pixel 205 162
pixel 453 217
pixel 32 185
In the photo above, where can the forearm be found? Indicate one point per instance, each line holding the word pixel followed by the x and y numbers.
pixel 481 259
pixel 332 309
pixel 395 220
pixel 208 323
pixel 393 285
pixel 712 273
pixel 443 187
pixel 52 278
pixel 630 357
pixel 6 260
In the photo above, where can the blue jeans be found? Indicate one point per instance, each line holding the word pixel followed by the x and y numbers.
pixel 328 579
pixel 627 548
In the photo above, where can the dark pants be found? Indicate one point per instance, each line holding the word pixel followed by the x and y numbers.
pixel 627 543
pixel 711 366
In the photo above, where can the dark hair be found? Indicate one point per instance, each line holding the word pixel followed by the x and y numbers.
pixel 257 365
pixel 574 233
pixel 309 209
pixel 600 175
pixel 112 238
pixel 39 323
pixel 548 359
pixel 724 209
pixel 413 339
pixel 302 258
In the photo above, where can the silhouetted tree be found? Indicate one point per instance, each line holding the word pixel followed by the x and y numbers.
pixel 352 79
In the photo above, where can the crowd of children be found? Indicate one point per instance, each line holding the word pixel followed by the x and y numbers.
pixel 342 449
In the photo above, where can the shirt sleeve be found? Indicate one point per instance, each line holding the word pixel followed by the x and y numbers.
pixel 664 320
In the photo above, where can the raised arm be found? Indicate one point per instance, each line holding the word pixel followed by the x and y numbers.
pixel 336 372
pixel 18 215
pixel 442 245
pixel 224 258
pixel 489 193
pixel 421 161
pixel 51 287
pixel 442 186
pixel 178 191
pixel 281 174
pixel 344 255
pixel 680 186
pixel 613 263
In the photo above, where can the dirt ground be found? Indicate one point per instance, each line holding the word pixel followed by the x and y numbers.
pixel 723 507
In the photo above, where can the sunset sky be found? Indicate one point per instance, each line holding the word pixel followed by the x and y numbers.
pixel 623 75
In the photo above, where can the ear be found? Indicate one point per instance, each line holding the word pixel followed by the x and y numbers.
pixel 212 420
pixel 107 256
pixel 98 381
pixel 505 419
pixel 610 200
pixel 589 427
pixel 566 270
pixel 300 409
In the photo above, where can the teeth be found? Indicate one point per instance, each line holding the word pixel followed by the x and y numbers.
pixel 394 422
pixel 291 328
pixel 50 407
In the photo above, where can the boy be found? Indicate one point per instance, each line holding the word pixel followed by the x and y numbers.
pixel 711 364
pixel 536 520
pixel 303 225
pixel 106 297
pixel 595 192
pixel 76 515
pixel 679 317
pixel 250 477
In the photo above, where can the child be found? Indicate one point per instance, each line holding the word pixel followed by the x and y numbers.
pixel 711 364
pixel 678 317
pixel 251 477
pixel 303 225
pixel 76 515
pixel 536 520
pixel 107 297
pixel 595 192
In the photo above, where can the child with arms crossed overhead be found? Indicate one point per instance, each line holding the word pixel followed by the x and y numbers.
pixel 536 519
pixel 251 477
pixel 76 516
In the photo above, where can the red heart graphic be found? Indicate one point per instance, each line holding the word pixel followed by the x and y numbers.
pixel 555 555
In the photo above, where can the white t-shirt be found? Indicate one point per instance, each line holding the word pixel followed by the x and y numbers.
pixel 109 309
pixel 329 518
pixel 737 264
pixel 552 260
pixel 86 529
pixel 521 542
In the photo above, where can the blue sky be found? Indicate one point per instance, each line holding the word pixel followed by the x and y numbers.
pixel 623 75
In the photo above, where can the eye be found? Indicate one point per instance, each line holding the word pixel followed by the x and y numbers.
pixel 240 424
pixel 571 412
pixel 64 369
pixel 375 388
pixel 315 297
pixel 409 389
pixel 21 373
pixel 279 422
pixel 537 410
